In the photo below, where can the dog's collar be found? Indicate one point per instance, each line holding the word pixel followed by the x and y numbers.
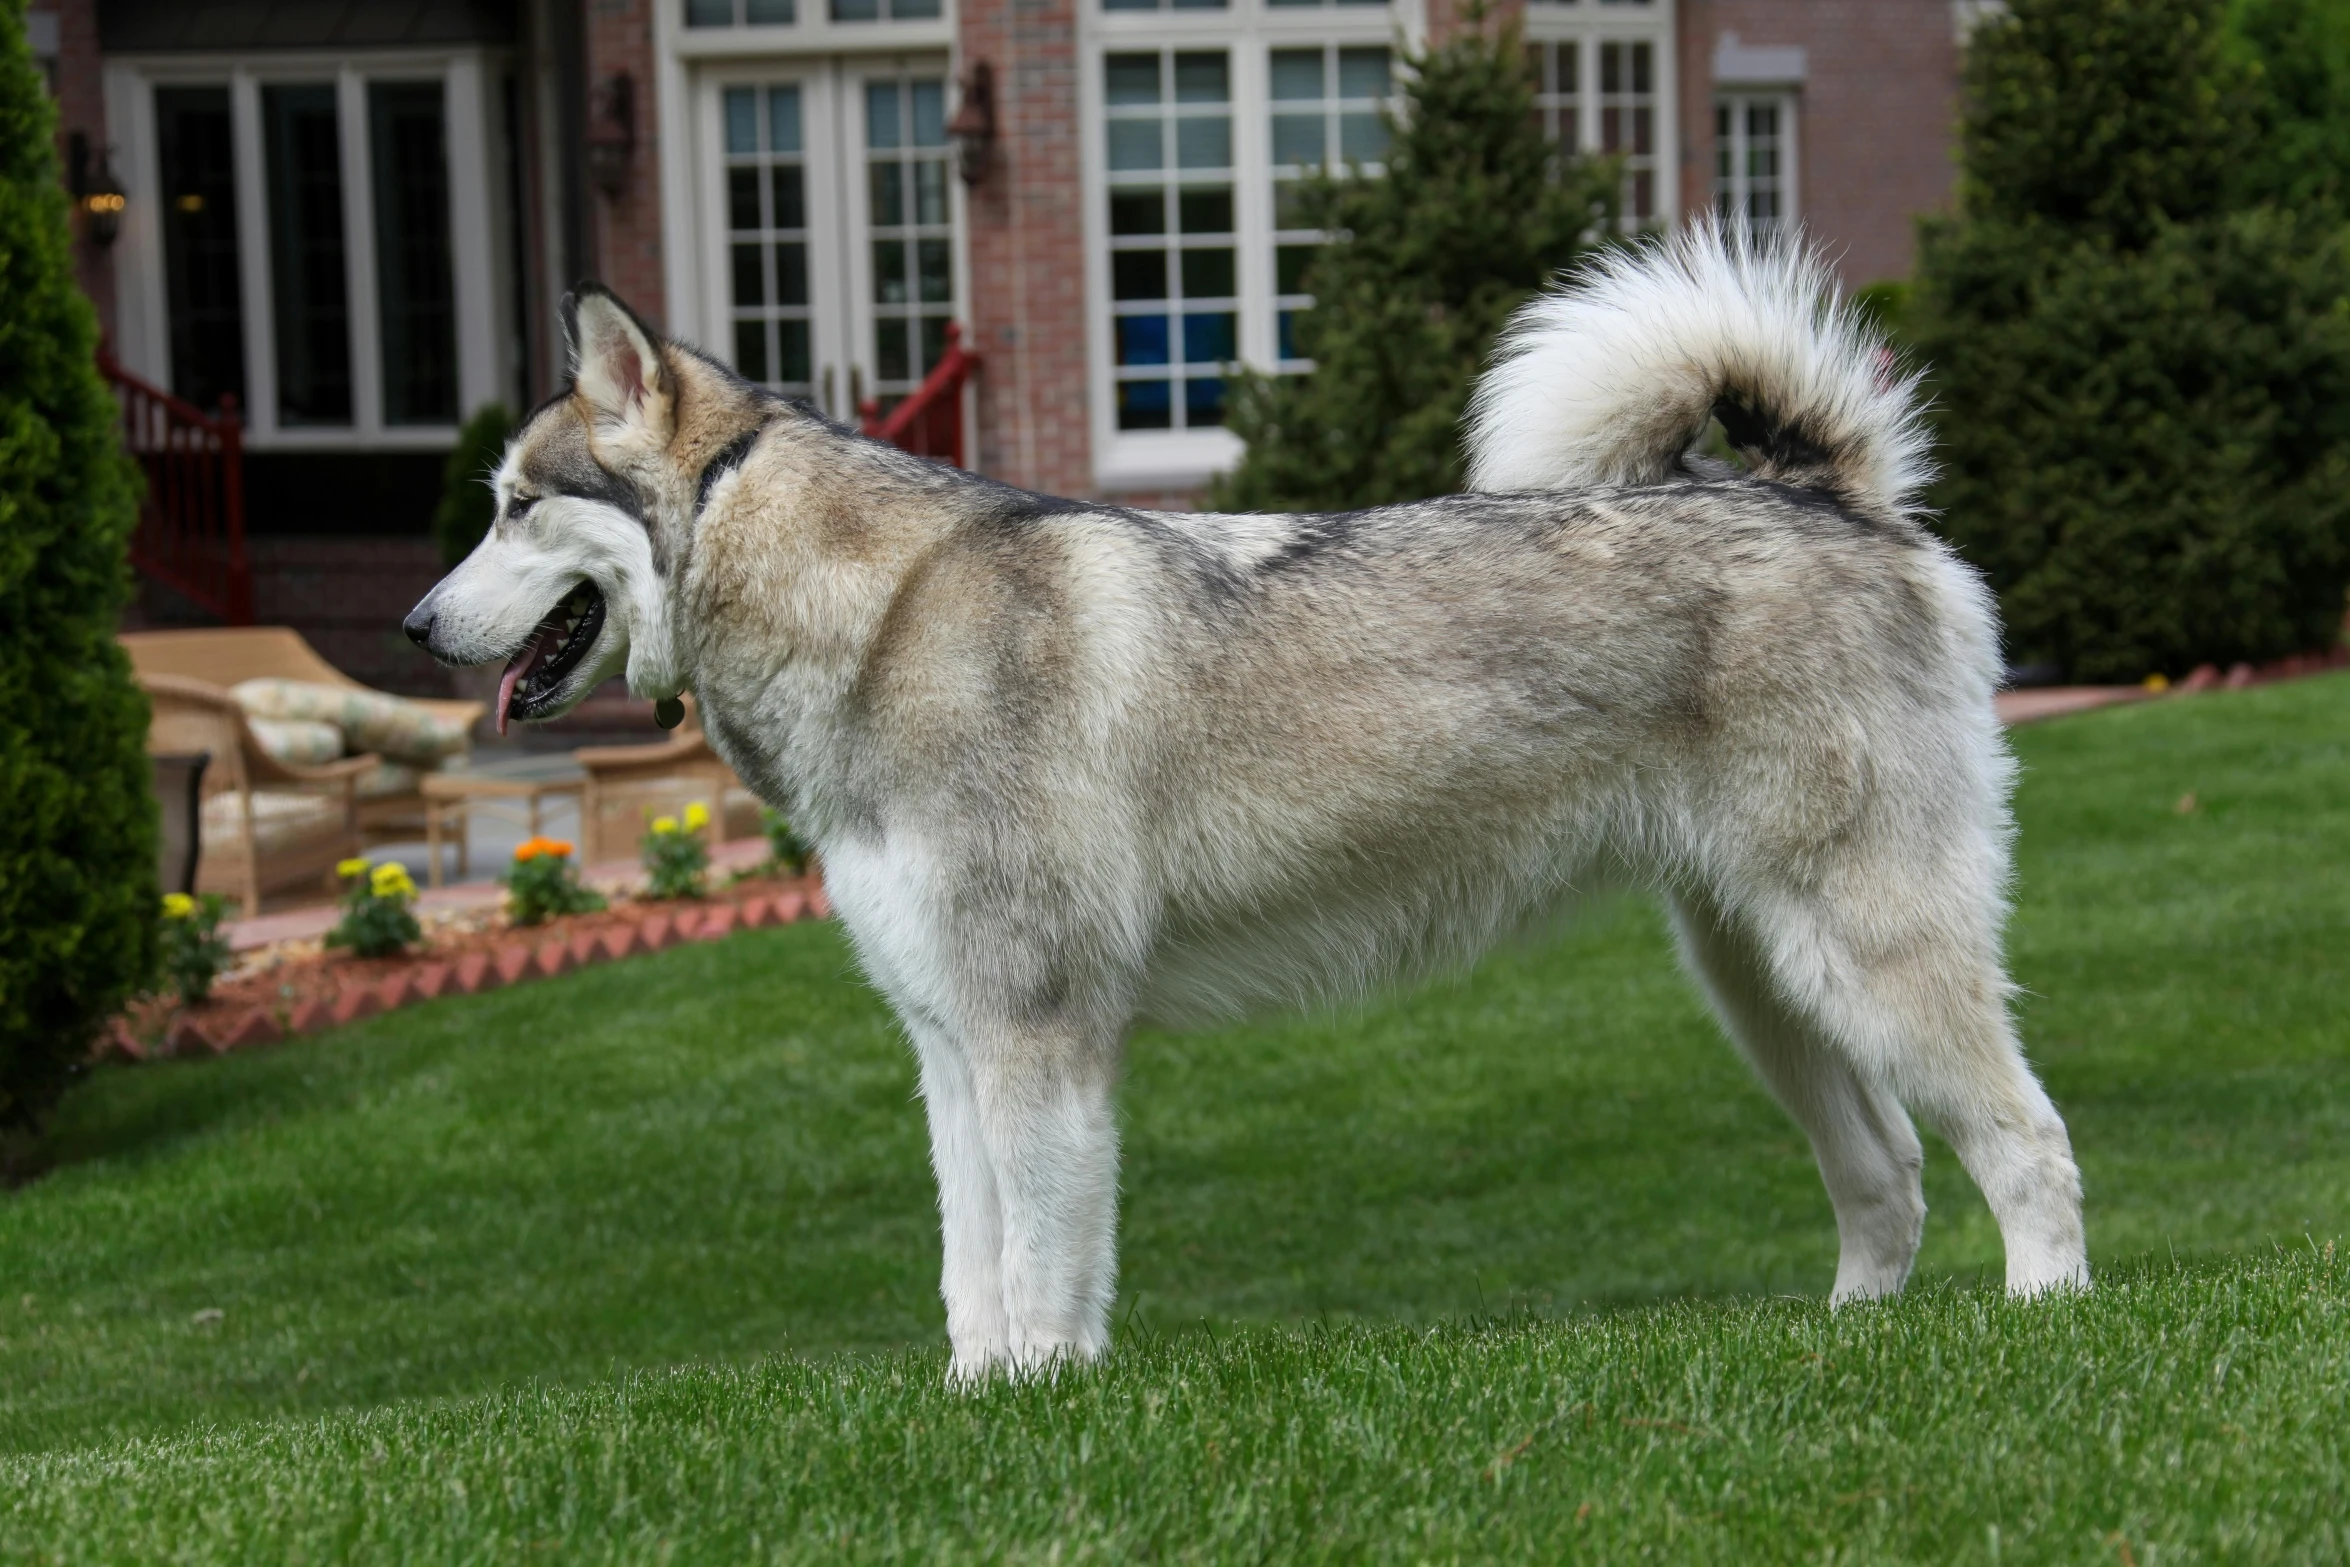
pixel 727 460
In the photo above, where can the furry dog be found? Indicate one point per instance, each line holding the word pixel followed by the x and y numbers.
pixel 1071 764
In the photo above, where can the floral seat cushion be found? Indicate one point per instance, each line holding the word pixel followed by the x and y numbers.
pixel 297 741
pixel 398 731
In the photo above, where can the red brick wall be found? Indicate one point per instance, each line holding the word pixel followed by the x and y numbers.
pixel 624 231
pixel 1877 116
pixel 1027 248
pixel 81 106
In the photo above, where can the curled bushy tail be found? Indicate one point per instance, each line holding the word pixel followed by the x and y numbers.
pixel 1611 378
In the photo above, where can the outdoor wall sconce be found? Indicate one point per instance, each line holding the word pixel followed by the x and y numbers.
pixel 973 126
pixel 611 139
pixel 99 194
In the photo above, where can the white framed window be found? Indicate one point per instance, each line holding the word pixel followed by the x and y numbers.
pixel 1754 161
pixel 823 251
pixel 315 236
pixel 1603 75
pixel 786 13
pixel 1198 117
pixel 1325 113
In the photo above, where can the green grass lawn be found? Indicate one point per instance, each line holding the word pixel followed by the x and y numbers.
pixel 574 1265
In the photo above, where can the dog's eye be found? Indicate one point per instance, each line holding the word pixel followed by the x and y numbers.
pixel 520 506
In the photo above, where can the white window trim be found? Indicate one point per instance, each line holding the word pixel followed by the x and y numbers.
pixel 1589 26
pixel 1790 108
pixel 487 361
pixel 1145 460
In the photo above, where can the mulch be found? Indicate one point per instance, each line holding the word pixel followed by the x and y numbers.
pixel 299 987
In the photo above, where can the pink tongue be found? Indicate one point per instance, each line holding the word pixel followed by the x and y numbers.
pixel 542 645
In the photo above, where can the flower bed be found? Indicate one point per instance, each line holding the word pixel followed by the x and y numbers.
pixel 299 987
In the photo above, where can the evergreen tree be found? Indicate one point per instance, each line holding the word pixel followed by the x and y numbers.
pixel 2142 375
pixel 2301 157
pixel 1422 268
pixel 78 908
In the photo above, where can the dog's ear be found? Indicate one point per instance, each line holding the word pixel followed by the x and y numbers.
pixel 616 362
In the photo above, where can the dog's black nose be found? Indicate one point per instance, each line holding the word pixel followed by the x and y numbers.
pixel 418 625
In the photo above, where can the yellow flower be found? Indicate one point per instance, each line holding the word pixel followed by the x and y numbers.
pixel 390 880
pixel 664 824
pixel 697 816
pixel 178 906
pixel 351 868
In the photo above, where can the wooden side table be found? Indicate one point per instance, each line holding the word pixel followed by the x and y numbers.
pixel 451 797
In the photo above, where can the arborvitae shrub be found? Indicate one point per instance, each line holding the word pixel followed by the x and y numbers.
pixel 1423 267
pixel 2142 378
pixel 78 904
pixel 468 506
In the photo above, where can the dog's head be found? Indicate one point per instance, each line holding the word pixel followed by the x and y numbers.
pixel 569 585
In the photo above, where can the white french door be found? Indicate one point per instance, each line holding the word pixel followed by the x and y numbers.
pixel 830 214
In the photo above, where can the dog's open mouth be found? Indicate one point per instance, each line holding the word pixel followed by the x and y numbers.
pixel 552 652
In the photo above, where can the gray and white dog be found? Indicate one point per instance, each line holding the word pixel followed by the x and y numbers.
pixel 1071 764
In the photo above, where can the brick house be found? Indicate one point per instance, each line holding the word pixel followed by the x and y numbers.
pixel 355 216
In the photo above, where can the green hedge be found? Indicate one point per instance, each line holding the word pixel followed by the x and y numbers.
pixel 77 821
pixel 2140 359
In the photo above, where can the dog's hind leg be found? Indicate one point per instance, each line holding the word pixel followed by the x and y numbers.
pixel 971 1225
pixel 1044 1097
pixel 1899 970
pixel 1868 1154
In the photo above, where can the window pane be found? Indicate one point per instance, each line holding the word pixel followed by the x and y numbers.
pixel 934 273
pixel 913 10
pixel 1203 78
pixel 783 119
pixel 1138 212
pixel 1204 143
pixel 416 290
pixel 1142 340
pixel 891 362
pixel 1134 144
pixel 1209 274
pixel 1297 73
pixel 750 349
pixel 1131 78
pixel 889 271
pixel 930 191
pixel 791 206
pixel 1138 274
pixel 1362 73
pixel 889 194
pixel 1297 138
pixel 930 114
pixel 881 115
pixel 742 119
pixel 791 276
pixel 1144 405
pixel 709 13
pixel 750 278
pixel 769 13
pixel 202 295
pixel 1205 211
pixel 303 151
pixel 792 366
pixel 1209 339
pixel 1203 402
pixel 1362 138
pixel 855 10
pixel 742 199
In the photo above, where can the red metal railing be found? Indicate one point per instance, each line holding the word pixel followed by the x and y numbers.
pixel 929 423
pixel 191 535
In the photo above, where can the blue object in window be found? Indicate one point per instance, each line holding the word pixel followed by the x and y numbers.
pixel 1209 339
pixel 1142 340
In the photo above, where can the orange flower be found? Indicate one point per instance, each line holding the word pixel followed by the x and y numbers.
pixel 532 848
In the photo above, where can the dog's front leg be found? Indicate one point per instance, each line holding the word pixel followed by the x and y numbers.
pixel 1045 1111
pixel 971 1226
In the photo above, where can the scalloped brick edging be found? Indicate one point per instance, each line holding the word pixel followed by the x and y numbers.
pixel 515 962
